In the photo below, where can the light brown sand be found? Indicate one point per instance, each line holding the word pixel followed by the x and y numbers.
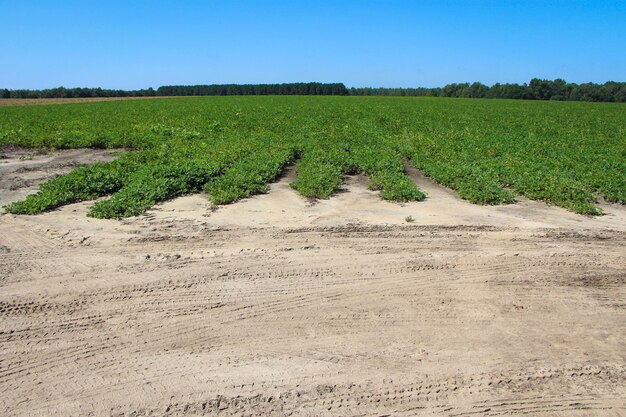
pixel 281 306
pixel 46 101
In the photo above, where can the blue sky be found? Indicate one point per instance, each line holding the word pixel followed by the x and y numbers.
pixel 137 44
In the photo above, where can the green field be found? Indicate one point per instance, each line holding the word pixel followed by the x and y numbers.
pixel 564 153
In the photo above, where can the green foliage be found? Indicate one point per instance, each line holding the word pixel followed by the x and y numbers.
pixel 554 189
pixel 320 171
pixel 152 184
pixel 251 174
pixel 566 154
pixel 474 183
pixel 557 90
pixel 335 89
pixel 84 183
pixel 386 170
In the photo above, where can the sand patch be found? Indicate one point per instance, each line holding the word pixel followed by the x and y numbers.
pixel 277 305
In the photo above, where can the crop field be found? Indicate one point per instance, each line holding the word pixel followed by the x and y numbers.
pixel 256 264
pixel 490 151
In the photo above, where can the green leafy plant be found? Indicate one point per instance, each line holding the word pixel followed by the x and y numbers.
pixel 489 151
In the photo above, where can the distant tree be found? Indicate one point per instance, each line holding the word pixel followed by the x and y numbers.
pixel 560 89
pixel 456 90
pixel 616 90
pixel 541 89
pixel 537 90
pixel 477 90
pixel 591 92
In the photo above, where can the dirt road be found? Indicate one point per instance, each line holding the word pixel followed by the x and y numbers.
pixel 281 306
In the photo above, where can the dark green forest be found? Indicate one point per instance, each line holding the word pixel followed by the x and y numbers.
pixel 537 89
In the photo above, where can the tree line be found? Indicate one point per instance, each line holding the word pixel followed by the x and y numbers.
pixel 335 89
pixel 62 92
pixel 303 89
pixel 537 89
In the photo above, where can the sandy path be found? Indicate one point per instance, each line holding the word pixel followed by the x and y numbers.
pixel 278 306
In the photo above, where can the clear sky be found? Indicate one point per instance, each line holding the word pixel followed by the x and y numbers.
pixel 137 44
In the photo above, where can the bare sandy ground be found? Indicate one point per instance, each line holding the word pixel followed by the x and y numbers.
pixel 281 306
pixel 46 101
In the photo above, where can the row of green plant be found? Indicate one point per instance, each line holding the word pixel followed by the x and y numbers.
pixel 566 154
pixel 251 174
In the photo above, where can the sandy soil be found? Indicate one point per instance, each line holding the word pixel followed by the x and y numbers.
pixel 45 101
pixel 22 170
pixel 281 306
